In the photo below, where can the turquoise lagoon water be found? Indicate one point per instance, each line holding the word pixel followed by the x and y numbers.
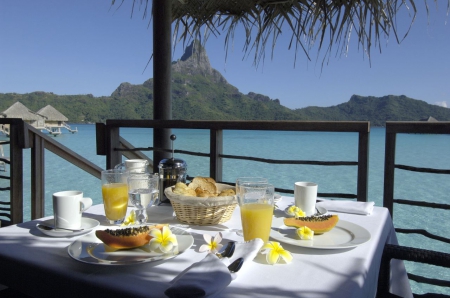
pixel 412 149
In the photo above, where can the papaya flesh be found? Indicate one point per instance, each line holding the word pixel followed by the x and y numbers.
pixel 319 224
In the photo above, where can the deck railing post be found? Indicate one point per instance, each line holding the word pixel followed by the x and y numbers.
pixel 100 138
pixel 389 169
pixel 113 157
pixel 37 177
pixel 17 138
pixel 363 166
pixel 216 149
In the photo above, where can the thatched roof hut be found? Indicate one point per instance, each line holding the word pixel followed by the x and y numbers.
pixel 18 110
pixel 429 119
pixel 52 114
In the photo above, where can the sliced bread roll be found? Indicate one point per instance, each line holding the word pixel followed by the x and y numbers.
pixel 204 183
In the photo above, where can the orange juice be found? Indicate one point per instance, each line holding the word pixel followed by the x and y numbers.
pixel 256 221
pixel 115 199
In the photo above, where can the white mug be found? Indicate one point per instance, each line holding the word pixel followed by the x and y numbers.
pixel 68 207
pixel 305 194
pixel 134 165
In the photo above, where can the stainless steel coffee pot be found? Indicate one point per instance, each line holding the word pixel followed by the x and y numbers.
pixel 171 170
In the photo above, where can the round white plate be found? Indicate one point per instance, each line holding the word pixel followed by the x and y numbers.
pixel 87 224
pixel 344 235
pixel 321 210
pixel 89 249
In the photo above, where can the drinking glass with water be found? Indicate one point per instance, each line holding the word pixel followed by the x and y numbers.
pixel 142 193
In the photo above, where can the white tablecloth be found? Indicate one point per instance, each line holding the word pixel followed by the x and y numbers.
pixel 40 266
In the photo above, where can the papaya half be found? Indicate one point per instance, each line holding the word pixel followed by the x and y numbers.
pixel 128 237
pixel 319 224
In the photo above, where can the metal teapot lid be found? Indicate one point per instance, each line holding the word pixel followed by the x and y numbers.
pixel 172 163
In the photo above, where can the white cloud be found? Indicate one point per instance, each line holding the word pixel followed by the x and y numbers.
pixel 441 103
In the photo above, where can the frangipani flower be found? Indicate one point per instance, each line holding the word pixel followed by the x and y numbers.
pixel 274 252
pixel 164 240
pixel 305 233
pixel 130 219
pixel 295 211
pixel 292 210
pixel 299 213
pixel 212 245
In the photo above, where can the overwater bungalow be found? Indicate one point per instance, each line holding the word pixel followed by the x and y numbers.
pixel 55 120
pixel 18 110
pixel 48 118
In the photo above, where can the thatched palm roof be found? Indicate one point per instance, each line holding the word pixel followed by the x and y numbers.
pixel 18 110
pixel 52 114
pixel 321 23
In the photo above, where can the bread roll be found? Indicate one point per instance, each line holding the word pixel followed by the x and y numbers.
pixel 227 192
pixel 205 183
pixel 183 189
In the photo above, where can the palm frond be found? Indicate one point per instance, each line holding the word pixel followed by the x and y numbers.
pixel 325 23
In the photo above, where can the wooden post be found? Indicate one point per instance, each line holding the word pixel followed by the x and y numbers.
pixel 363 166
pixel 216 148
pixel 17 137
pixel 113 138
pixel 37 177
pixel 389 170
pixel 162 66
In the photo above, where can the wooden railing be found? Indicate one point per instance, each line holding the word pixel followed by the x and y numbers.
pixel 392 130
pixel 24 136
pixel 110 143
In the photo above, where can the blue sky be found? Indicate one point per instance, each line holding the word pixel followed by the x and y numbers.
pixel 85 46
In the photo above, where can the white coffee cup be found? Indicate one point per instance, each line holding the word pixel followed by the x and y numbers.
pixel 68 207
pixel 134 166
pixel 305 194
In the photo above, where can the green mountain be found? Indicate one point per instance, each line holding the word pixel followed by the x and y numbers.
pixel 377 110
pixel 200 92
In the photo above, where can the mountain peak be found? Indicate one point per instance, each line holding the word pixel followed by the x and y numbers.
pixel 195 61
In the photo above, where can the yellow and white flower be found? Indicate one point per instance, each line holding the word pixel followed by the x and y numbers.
pixel 163 240
pixel 275 252
pixel 299 213
pixel 130 219
pixel 295 211
pixel 292 210
pixel 212 245
pixel 305 233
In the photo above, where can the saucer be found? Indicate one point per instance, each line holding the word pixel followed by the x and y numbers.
pixel 87 224
pixel 322 211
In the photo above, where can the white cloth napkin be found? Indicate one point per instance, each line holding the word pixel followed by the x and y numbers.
pixel 364 208
pixel 211 275
pixel 203 279
pixel 246 250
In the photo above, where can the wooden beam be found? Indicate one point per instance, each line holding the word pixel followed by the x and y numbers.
pixel 162 76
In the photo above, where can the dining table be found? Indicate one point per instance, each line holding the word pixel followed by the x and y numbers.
pixel 39 265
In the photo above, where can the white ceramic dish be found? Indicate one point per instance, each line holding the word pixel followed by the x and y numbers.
pixel 87 224
pixel 321 210
pixel 89 249
pixel 344 235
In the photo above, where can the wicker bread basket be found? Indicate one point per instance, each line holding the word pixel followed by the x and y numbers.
pixel 202 211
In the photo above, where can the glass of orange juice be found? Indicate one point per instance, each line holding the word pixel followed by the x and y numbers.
pixel 256 204
pixel 115 194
